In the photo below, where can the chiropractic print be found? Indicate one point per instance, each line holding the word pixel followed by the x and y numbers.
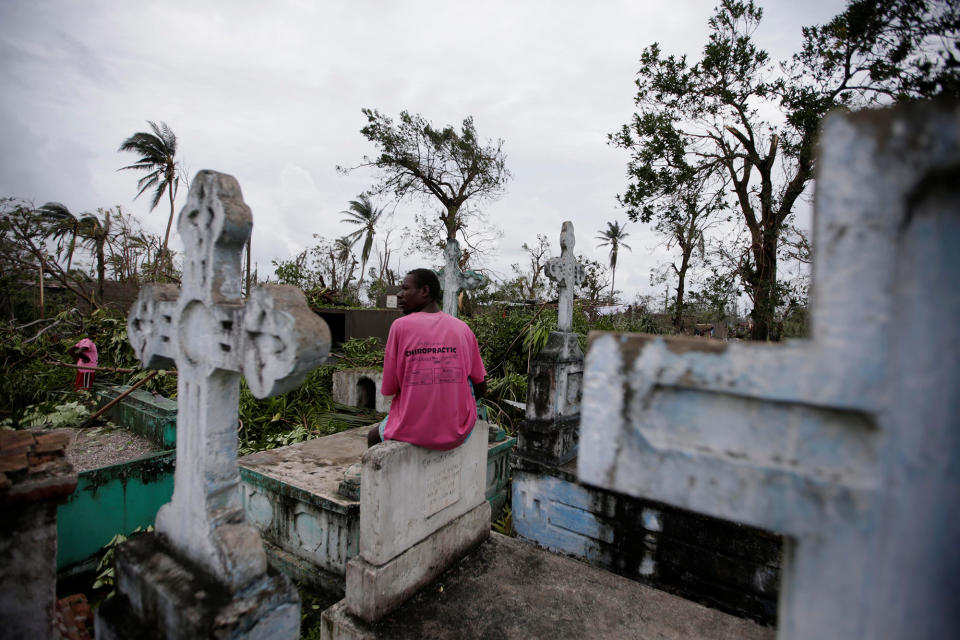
pixel 433 363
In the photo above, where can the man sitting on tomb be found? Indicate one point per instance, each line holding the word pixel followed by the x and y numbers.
pixel 432 367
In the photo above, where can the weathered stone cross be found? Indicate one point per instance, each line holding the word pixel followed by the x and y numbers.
pixel 567 273
pixel 846 443
pixel 212 337
pixel 453 279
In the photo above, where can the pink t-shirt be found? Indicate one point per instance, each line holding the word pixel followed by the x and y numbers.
pixel 90 353
pixel 428 359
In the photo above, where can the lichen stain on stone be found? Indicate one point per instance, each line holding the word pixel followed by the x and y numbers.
pixel 681 346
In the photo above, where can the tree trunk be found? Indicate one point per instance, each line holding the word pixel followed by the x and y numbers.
pixel 101 271
pixel 73 242
pixel 765 298
pixel 681 286
pixel 450 222
pixel 40 263
pixel 166 236
pixel 613 275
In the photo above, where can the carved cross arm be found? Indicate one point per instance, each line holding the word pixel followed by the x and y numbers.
pixel 151 325
pixel 283 340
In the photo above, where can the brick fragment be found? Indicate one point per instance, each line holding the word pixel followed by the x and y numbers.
pixel 13 462
pixel 52 442
pixel 16 440
pixel 74 618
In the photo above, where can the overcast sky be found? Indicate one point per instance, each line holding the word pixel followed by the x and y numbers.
pixel 271 93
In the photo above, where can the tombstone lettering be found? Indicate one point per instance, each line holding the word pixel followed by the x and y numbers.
pixel 213 338
pixel 846 443
pixel 453 279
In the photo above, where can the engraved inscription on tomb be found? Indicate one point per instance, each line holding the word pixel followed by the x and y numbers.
pixel 442 482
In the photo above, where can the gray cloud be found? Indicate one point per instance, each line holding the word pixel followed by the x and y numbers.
pixel 272 93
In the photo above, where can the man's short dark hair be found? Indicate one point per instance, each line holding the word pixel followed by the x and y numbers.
pixel 427 278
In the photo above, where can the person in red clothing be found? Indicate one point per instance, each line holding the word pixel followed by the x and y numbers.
pixel 85 352
pixel 433 369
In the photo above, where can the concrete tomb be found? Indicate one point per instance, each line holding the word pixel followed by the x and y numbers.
pixel 360 387
pixel 452 279
pixel 123 493
pixel 311 529
pixel 290 494
pixel 721 564
pixel 846 443
pixel 420 511
pixel 204 572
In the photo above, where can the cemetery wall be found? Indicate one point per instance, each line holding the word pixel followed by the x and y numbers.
pixel 358 323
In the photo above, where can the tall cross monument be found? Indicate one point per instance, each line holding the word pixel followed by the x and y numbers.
pixel 213 338
pixel 567 273
pixel 548 435
pixel 453 279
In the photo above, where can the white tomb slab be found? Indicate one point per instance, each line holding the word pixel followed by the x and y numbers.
pixel 420 510
pixel 846 443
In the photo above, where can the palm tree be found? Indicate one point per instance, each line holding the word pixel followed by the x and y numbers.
pixel 613 237
pixel 59 223
pixel 94 232
pixel 157 152
pixel 364 214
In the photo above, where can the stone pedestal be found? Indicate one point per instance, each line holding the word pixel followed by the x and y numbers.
pixel 34 478
pixel 548 436
pixel 180 600
pixel 420 511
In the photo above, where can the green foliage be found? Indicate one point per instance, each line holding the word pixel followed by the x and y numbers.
pixel 32 387
pixel 504 524
pixel 509 385
pixel 500 332
pixel 756 123
pixel 309 410
pixel 324 272
pixel 53 416
pixel 638 322
pixel 104 584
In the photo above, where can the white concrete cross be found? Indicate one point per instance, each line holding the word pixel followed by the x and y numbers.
pixel 453 279
pixel 212 337
pixel 567 273
pixel 846 443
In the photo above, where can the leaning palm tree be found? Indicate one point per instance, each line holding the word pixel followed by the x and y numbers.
pixel 95 232
pixel 60 224
pixel 613 237
pixel 364 214
pixel 157 152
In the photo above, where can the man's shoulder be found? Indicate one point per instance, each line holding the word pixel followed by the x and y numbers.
pixel 457 322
